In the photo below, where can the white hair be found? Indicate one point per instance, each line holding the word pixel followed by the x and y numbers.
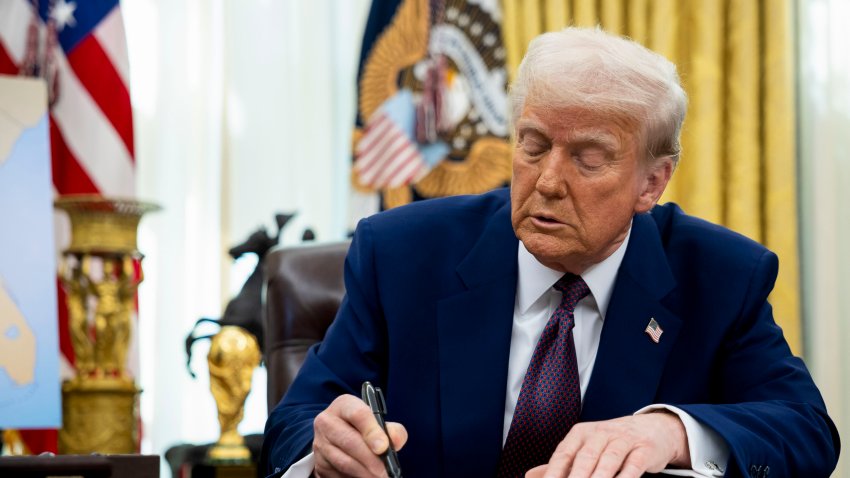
pixel 594 70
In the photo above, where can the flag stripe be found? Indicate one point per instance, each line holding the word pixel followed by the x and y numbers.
pixel 68 176
pixel 386 156
pixel 90 137
pixel 110 34
pixel 66 370
pixel 15 18
pixel 374 131
pixel 397 164
pixel 7 66
pixel 414 171
pixel 383 155
pixel 405 175
pixel 376 154
pixel 97 75
pixel 375 140
pixel 38 441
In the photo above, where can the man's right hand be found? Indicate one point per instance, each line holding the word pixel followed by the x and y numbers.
pixel 347 440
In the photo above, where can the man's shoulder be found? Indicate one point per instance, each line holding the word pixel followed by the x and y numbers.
pixel 681 232
pixel 436 235
pixel 468 211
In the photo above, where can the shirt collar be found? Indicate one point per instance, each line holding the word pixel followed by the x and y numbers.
pixel 535 279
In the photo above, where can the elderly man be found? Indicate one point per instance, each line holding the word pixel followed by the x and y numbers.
pixel 569 327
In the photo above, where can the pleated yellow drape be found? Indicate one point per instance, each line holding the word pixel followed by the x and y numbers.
pixel 735 58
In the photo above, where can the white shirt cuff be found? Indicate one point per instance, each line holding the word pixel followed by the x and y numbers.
pixel 303 468
pixel 709 451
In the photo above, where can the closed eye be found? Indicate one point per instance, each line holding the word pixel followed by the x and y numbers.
pixel 533 149
pixel 591 158
pixel 533 143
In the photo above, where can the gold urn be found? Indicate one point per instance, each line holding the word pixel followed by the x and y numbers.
pixel 100 272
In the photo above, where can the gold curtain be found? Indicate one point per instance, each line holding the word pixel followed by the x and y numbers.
pixel 735 58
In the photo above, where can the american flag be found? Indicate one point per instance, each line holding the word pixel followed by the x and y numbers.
pixel 388 154
pixel 386 157
pixel 79 47
pixel 654 330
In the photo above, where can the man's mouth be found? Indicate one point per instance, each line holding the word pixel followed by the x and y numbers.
pixel 546 219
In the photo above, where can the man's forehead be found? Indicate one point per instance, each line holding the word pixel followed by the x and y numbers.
pixel 575 125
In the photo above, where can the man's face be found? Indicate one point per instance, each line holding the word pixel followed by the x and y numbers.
pixel 578 178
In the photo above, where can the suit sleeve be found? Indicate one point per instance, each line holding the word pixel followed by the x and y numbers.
pixel 770 412
pixel 353 351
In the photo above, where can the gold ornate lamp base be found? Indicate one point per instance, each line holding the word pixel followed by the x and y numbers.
pixel 100 272
pixel 99 415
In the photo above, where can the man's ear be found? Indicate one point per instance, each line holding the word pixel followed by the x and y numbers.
pixel 657 175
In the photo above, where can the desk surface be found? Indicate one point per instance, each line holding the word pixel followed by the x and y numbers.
pixel 86 466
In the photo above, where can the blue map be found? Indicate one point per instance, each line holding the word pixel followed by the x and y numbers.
pixel 30 395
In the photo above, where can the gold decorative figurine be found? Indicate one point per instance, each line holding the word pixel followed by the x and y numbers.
pixel 234 354
pixel 100 272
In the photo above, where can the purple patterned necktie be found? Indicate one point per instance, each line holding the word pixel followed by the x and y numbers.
pixel 549 401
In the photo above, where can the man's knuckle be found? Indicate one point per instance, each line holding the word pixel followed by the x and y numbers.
pixel 611 427
pixel 616 452
pixel 583 427
pixel 587 455
pixel 629 437
pixel 639 459
pixel 339 402
pixel 320 422
pixel 319 447
pixel 357 414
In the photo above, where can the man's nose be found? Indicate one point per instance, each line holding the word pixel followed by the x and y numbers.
pixel 552 181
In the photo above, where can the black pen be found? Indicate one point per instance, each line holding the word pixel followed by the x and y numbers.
pixel 375 399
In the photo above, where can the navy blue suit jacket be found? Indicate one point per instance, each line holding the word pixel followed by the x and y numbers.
pixel 428 317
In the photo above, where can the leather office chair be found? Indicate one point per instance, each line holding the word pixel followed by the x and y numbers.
pixel 303 288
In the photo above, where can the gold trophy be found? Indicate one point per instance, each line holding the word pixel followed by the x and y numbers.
pixel 233 356
pixel 100 272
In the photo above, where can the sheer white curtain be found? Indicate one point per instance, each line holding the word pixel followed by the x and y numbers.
pixel 824 128
pixel 242 109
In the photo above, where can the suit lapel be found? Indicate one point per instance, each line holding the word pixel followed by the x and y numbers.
pixel 474 330
pixel 629 363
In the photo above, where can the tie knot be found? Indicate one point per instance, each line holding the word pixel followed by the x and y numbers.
pixel 573 288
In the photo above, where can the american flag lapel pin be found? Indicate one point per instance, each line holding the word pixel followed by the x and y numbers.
pixel 654 330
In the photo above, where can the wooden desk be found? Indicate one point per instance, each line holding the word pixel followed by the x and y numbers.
pixel 223 471
pixel 85 466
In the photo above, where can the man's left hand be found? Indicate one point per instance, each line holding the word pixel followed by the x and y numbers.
pixel 625 447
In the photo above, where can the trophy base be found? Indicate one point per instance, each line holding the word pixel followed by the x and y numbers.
pixel 98 416
pixel 229 454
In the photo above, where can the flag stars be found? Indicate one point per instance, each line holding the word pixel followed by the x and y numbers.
pixel 63 14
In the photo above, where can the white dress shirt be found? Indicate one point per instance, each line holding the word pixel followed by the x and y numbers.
pixel 535 302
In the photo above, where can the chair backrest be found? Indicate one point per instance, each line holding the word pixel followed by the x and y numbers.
pixel 303 288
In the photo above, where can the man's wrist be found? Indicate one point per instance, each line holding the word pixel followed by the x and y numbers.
pixel 682 455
